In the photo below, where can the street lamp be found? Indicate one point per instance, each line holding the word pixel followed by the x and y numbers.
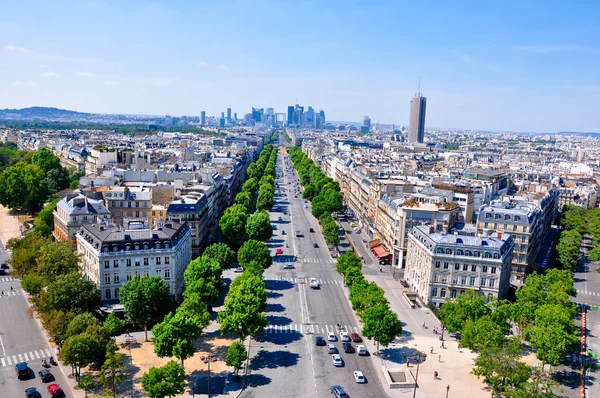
pixel 417 375
pixel 108 374
pixel 447 390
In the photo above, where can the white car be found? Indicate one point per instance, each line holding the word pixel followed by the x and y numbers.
pixel 331 336
pixel 337 360
pixel 344 336
pixel 238 270
pixel 361 349
pixel 288 266
pixel 359 377
pixel 313 283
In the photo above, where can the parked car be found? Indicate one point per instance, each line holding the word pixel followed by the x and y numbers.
pixel 337 360
pixel 332 349
pixel 312 230
pixel 279 251
pixel 319 340
pixel 356 338
pixel 238 270
pixel 315 245
pixel 361 350
pixel 288 266
pixel 359 377
pixel 338 392
pixel 404 283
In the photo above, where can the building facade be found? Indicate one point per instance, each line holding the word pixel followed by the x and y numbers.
pixel 416 127
pixel 127 203
pixel 73 211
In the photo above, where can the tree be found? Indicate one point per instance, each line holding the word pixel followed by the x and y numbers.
pixel 250 186
pixel 79 351
pixel 222 253
pixel 55 259
pixel 573 218
pixel 33 284
pixel 233 223
pixel 146 300
pixel 568 249
pixel 365 294
pixel 352 276
pixel 71 292
pixel 553 333
pixel 86 383
pixel 236 355
pixel 113 371
pixel 166 381
pixel 346 261
pixel 44 222
pixel 258 226
pixel 56 324
pixel 201 291
pixel 21 187
pixel 46 160
pixel 254 250
pixel 244 307
pixel 477 334
pixel 176 334
pixel 265 200
pixel 469 305
pixel 80 323
pixel 381 324
pixel 254 172
pixel 206 269
pixel 25 251
pixel 245 199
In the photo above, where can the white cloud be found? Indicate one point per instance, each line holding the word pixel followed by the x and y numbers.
pixel 540 49
pixel 110 83
pixel 224 67
pixel 86 74
pixel 50 74
pixel 10 47
pixel 201 64
pixel 23 84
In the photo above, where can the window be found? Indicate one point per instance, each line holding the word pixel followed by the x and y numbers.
pixel 484 268
pixel 456 266
pixel 453 293
pixel 463 280
pixel 444 278
pixel 493 270
pixel 167 260
pixel 146 273
pixel 472 281
pixel 157 245
pixel 157 260
pixel 115 248
pixel 116 277
pixel 116 263
pixel 486 224
pixel 445 265
pixel 459 252
pixel 145 246
pixel 137 247
pixel 137 204
pixel 442 292
pixel 128 262
pixel 137 262
pixel 492 282
pixel 145 260
pixel 107 294
pixel 117 293
pixel 435 277
pixel 128 275
pixel 476 254
pixel 137 274
pixel 105 249
pixel 137 213
pixel 106 278
pixel 514 227
pixel 437 264
pixel 473 268
pixel 454 280
pixel 127 247
pixel 166 245
pixel 106 264
pixel 483 280
pixel 487 255
pixel 465 267
pixel 496 256
pixel 167 274
pixel 434 292
pixel 448 251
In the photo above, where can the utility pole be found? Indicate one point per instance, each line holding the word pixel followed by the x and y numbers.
pixel 417 376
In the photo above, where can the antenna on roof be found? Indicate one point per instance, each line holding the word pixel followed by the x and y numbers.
pixel 419 93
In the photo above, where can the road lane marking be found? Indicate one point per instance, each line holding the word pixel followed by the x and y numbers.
pixel 3 350
pixel 8 360
pixel 48 352
pixel 37 356
pixel 31 355
pixel 14 357
pixel 3 363
pixel 26 357
pixel 20 358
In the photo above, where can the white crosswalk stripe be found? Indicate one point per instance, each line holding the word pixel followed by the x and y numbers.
pixel 314 329
pixel 28 356
pixel 3 363
pixel 7 279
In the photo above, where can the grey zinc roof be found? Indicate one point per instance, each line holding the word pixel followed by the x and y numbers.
pixel 79 206
pixel 451 239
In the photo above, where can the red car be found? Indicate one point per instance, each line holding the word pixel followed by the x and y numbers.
pixel 278 251
pixel 55 391
pixel 355 337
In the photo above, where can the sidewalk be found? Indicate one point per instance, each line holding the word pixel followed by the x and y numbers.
pixel 10 225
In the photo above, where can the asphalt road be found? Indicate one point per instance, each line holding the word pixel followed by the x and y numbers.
pixel 20 340
pixel 286 361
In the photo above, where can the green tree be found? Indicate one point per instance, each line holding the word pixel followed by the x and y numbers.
pixel 479 333
pixel 204 268
pixel 166 381
pixel 175 335
pixel 467 306
pixel 113 371
pixel 233 223
pixel 236 355
pixel 364 295
pixel 70 293
pixel 79 351
pixel 568 249
pixel 352 276
pixel 55 259
pixel 25 251
pixel 553 333
pixel 146 300
pixel 250 186
pixel 258 226
pixel 573 218
pixel 80 323
pixel 44 221
pixel 254 250
pixel 46 160
pixel 33 284
pixel 86 383
pixel 222 253
pixel 113 325
pixel 265 200
pixel 201 291
pixel 245 199
pixel 381 324
pixel 244 307
pixel 21 187
pixel 346 261
pixel 254 171
pixel 56 324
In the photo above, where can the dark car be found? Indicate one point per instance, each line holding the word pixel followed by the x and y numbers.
pixel 338 392
pixel 45 375
pixel 22 370
pixel 355 337
pixel 4 266
pixel 404 283
pixel 319 340
pixel 31 392
pixel 312 230
pixel 348 347
pixel 315 245
pixel 3 271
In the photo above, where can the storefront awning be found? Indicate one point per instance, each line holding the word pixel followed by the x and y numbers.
pixel 374 243
pixel 380 252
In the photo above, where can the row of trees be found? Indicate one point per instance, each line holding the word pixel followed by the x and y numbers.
pixel 380 323
pixel 323 192
pixel 29 178
pixel 541 317
pixel 576 222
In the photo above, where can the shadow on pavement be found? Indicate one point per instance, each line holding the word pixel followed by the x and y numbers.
pixel 279 320
pixel 279 337
pixel 273 359
pixel 273 295
pixel 275 307
pixel 405 337
pixel 257 380
pixel 568 377
pixel 274 284
pixel 200 380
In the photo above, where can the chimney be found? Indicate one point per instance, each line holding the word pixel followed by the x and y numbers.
pixel 431 229
pixel 500 235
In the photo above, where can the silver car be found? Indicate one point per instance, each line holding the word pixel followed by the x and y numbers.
pixel 337 360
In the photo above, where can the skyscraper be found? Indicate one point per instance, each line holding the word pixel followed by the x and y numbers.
pixel 203 118
pixel 228 114
pixel 367 122
pixel 416 126
pixel 290 115
pixel 322 114
pixel 298 117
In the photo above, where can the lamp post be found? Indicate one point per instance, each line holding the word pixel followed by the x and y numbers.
pixel 447 390
pixel 417 376
pixel 108 373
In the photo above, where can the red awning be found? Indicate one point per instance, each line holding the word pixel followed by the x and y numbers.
pixel 380 252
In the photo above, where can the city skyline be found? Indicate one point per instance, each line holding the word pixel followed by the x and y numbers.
pixel 538 76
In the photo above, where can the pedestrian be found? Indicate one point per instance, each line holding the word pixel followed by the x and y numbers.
pixel 442 346
pixel 3 293
pixel 435 375
pixel 431 350
pixel 440 358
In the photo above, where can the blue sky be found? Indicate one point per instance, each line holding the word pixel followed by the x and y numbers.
pixel 494 65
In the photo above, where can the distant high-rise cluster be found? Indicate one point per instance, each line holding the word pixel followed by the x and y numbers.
pixel 416 127
pixel 296 116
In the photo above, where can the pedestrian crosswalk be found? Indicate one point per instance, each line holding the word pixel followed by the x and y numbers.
pixel 310 329
pixel 588 293
pixel 9 293
pixel 321 281
pixel 7 279
pixel 316 260
pixel 35 355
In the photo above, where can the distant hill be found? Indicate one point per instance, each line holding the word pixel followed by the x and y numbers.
pixel 41 113
pixel 588 134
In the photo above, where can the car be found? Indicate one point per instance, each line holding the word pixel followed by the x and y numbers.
pixel 55 391
pixel 338 392
pixel 305 206
pixel 4 266
pixel 238 270
pixel 352 224
pixel 361 350
pixel 274 227
pixel 312 230
pixel 279 251
pixel 288 266
pixel 337 360
pixel 348 348
pixel 22 370
pixel 315 245
pixel 356 338
pixel 45 375
pixel 319 340
pixel 331 336
pixel 313 283
pixel 32 392
pixel 404 283
pixel 332 349
pixel 3 271
pixel 359 377
pixel 345 336
pixel 280 218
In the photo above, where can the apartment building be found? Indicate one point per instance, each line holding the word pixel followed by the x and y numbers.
pixel 193 208
pixel 440 266
pixel 99 158
pixel 111 255
pixel 127 203
pixel 75 210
